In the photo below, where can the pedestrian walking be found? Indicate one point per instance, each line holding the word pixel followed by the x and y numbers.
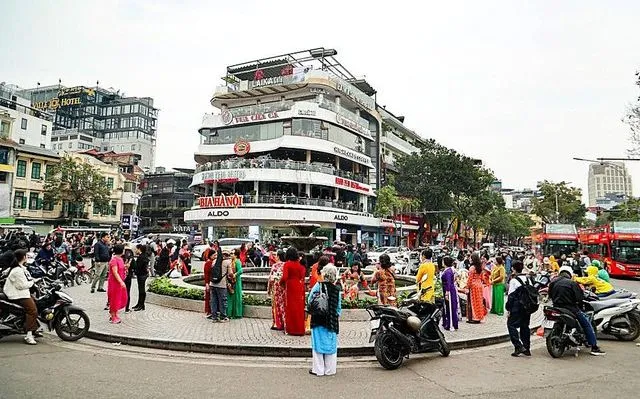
pixel 325 328
pixel 142 269
pixel 518 319
pixel 102 256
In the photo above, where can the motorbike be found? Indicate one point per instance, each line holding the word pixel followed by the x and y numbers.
pixel 411 328
pixel 83 274
pixel 616 317
pixel 57 270
pixel 55 309
pixel 541 283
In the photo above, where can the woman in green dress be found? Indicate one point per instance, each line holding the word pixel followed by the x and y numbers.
pixel 234 303
pixel 498 277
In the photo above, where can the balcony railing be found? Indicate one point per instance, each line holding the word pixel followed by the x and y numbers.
pixel 265 163
pixel 293 200
pixel 352 116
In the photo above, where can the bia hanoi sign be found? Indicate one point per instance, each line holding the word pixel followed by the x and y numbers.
pixel 221 201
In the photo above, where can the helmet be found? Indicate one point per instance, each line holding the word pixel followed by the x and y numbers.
pixel 567 269
pixel 414 323
pixel 596 263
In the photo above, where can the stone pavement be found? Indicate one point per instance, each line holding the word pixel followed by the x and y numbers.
pixel 166 328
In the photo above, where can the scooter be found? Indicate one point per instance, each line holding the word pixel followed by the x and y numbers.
pixel 617 317
pixel 412 328
pixel 55 309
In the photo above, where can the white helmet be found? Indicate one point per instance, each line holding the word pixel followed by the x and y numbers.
pixel 567 269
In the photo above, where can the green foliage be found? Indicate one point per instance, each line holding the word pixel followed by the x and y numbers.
pixel 389 203
pixel 164 286
pixel 570 207
pixel 358 303
pixel 627 211
pixel 77 183
pixel 632 118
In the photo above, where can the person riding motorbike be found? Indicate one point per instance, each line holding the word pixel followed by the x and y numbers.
pixel 16 288
pixel 602 273
pixel 567 294
pixel 602 287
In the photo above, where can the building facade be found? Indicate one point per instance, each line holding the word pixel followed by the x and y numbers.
pixel 165 197
pixel 519 199
pixel 86 118
pixel 7 170
pixel 22 123
pixel 608 178
pixel 296 138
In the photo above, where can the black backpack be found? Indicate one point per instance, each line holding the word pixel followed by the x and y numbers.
pixel 527 297
pixel 216 271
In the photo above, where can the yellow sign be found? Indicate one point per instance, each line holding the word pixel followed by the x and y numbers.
pixel 56 103
pixel 6 168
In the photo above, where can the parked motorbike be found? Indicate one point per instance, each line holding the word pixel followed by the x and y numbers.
pixel 541 283
pixel 617 317
pixel 412 328
pixel 57 270
pixel 55 309
pixel 83 274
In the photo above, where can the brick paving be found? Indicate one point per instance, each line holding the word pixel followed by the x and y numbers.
pixel 167 324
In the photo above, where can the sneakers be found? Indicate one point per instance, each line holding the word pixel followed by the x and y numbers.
pixel 225 320
pixel 595 351
pixel 517 352
pixel 115 321
pixel 30 341
pixel 101 290
pixel 526 352
pixel 93 290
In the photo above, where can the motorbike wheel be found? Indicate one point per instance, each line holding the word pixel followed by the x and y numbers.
pixel 555 346
pixel 387 350
pixel 72 327
pixel 443 347
pixel 82 278
pixel 634 328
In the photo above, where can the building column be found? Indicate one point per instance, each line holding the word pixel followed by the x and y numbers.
pixel 256 188
pixel 337 162
pixel 308 190
pixel 337 191
pixel 214 188
pixel 308 156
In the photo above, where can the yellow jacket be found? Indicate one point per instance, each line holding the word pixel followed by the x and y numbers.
pixel 555 267
pixel 427 287
pixel 600 285
pixel 498 274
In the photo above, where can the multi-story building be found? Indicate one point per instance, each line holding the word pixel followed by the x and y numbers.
pixel 165 197
pixel 28 204
pixel 396 140
pixel 20 122
pixel 88 118
pixel 7 169
pixel 296 138
pixel 608 178
pixel 519 199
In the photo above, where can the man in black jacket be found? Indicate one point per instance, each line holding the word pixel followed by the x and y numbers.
pixel 142 268
pixel 566 293
pixel 101 258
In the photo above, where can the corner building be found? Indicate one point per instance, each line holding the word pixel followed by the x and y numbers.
pixel 294 138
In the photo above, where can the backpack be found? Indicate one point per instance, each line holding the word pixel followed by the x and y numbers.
pixel 528 297
pixel 216 272
pixel 319 304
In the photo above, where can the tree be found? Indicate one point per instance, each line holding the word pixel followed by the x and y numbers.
pixel 76 183
pixel 627 211
pixel 570 208
pixel 632 118
pixel 386 201
pixel 442 180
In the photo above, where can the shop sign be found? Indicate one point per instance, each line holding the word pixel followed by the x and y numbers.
pixel 318 90
pixel 29 221
pixel 276 80
pixel 126 222
pixel 221 201
pixel 242 148
pixel 354 94
pixel 351 155
pixel 306 112
pixel 213 214
pixel 351 184
pixel 343 218
pixel 229 119
pixel 222 176
pixel 353 125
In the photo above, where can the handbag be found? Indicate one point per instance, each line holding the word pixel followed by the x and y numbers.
pixel 319 304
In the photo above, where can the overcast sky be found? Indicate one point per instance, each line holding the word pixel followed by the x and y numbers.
pixel 525 87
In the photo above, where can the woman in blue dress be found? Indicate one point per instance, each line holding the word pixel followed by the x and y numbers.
pixel 325 329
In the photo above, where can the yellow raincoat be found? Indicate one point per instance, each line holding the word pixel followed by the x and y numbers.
pixel 592 279
pixel 555 267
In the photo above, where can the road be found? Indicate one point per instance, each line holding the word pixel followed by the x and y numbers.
pixel 91 369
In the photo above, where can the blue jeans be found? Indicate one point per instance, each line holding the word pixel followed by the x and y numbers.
pixel 218 302
pixel 588 328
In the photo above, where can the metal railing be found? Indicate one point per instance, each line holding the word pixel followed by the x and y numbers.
pixel 242 163
pixel 352 116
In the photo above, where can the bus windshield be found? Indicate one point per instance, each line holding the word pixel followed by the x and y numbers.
pixel 627 251
pixel 560 247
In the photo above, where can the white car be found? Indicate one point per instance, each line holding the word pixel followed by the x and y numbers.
pixel 394 253
pixel 198 251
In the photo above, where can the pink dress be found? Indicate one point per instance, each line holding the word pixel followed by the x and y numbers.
pixel 116 294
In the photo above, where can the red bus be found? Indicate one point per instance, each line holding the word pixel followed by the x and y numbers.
pixel 559 239
pixel 617 245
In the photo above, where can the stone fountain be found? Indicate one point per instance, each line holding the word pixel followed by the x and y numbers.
pixel 304 240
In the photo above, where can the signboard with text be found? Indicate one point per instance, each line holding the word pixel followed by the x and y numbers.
pixel 221 201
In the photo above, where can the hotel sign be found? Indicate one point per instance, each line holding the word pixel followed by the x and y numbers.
pixel 56 103
pixel 221 201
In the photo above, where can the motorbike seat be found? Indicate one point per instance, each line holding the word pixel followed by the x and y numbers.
pixel 3 296
pixel 606 304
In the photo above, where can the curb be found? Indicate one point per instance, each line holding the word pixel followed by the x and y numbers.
pixel 270 351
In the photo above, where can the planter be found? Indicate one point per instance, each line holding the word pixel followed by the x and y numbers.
pixel 255 312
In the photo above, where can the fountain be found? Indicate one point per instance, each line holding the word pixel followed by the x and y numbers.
pixel 304 240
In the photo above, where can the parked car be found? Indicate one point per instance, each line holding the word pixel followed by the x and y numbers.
pixel 198 251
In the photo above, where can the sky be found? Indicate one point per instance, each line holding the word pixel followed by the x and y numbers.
pixel 525 86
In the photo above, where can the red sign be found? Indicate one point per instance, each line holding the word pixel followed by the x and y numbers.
pixel 242 148
pixel 351 184
pixel 221 201
pixel 228 180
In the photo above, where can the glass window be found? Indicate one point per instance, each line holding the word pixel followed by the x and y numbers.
pixel 265 131
pixel 114 208
pixel 19 200
pixel 43 130
pixel 34 201
pixel 35 170
pixel 21 141
pixel 96 209
pixel 48 171
pixel 4 156
pixel 4 129
pixel 133 147
pixel 21 169
pixel 23 124
pixel 126 109
pixel 43 146
pixel 110 183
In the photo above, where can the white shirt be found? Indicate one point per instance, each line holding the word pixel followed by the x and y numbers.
pixel 18 283
pixel 514 283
